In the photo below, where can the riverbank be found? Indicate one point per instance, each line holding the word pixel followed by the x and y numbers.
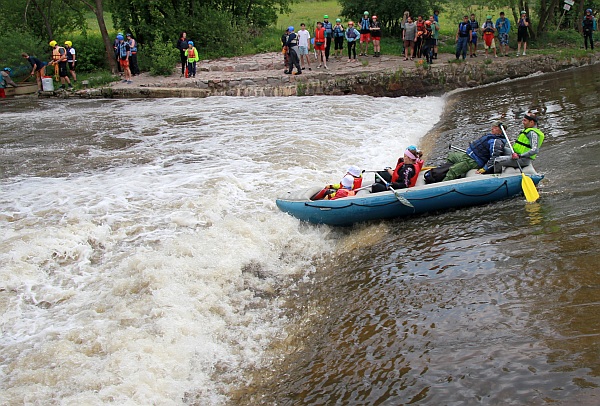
pixel 391 76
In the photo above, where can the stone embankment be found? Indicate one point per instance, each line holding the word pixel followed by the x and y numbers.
pixel 263 75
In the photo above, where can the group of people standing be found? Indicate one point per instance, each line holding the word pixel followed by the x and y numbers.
pixel 126 54
pixel 296 46
pixel 188 55
pixel 63 59
pixel 420 37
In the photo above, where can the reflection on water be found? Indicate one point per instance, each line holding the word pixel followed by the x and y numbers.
pixel 498 304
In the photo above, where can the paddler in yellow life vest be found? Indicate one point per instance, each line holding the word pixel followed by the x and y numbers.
pixel 61 68
pixel 192 57
pixel 526 147
pixel 347 186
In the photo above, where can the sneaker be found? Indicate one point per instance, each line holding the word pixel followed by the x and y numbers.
pixel 129 82
pixel 309 68
pixel 70 86
pixel 518 54
pixel 124 81
pixel 287 72
pixel 318 66
pixel 326 67
pixel 524 53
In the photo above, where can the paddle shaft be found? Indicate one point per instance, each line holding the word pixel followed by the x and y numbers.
pixel 510 146
pixel 457 149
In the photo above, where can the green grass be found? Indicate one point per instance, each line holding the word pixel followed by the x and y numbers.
pixel 309 12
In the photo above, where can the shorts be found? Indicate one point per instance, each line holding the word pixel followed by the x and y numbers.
pixel 320 47
pixel 503 38
pixel 71 66
pixel 473 40
pixel 375 38
pixel 522 36
pixel 491 46
pixel 302 50
pixel 63 71
pixel 338 42
pixel 365 38
pixel 408 43
pixel 124 63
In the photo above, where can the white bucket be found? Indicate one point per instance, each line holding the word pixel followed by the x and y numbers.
pixel 47 84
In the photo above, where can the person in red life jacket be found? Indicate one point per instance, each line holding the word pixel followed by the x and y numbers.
pixel 349 183
pixel 192 57
pixel 404 175
pixel 320 45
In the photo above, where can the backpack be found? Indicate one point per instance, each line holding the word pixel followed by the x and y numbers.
pixel 437 174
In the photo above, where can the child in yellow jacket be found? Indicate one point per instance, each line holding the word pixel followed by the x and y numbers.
pixel 192 57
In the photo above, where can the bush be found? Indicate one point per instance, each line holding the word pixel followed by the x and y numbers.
pixel 90 52
pixel 163 57
pixel 14 43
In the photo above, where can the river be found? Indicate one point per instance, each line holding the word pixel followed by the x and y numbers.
pixel 143 259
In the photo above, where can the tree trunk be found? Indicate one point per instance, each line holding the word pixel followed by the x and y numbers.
pixel 98 11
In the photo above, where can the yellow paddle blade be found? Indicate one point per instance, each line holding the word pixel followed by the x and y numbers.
pixel 531 193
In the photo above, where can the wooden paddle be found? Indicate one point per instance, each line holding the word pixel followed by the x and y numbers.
pixel 529 189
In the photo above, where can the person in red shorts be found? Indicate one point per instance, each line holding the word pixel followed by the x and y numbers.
pixel 320 44
pixel 376 36
pixel 124 52
pixel 365 34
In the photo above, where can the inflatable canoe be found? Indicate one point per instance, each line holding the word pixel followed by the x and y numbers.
pixel 472 190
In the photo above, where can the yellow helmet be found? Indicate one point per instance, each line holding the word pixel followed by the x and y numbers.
pixel 68 43
pixel 52 43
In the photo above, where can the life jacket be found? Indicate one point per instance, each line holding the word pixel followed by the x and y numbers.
pixel 488 26
pixel 479 150
pixel 320 35
pixel 420 26
pixel 338 31
pixel 56 54
pixel 463 28
pixel 191 54
pixel 70 56
pixel 474 26
pixel 132 47
pixel 588 23
pixel 292 40
pixel 2 81
pixel 351 33
pixel 522 144
pixel 122 49
pixel 413 181
pixel 328 29
pixel 365 24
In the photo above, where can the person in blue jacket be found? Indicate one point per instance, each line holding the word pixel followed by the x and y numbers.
pixel 480 155
pixel 503 27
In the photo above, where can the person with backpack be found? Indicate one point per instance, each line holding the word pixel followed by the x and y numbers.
pixel 480 155
pixel 589 26
pixel 352 36
pixel 463 38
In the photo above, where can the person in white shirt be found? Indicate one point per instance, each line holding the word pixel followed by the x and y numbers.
pixel 304 45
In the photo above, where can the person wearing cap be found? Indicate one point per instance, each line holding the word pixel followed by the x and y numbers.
pixel 328 35
pixel 403 176
pixel 304 45
pixel 376 36
pixel 133 47
pixel 589 25
pixel 473 42
pixel 503 27
pixel 5 80
pixel 352 36
pixel 526 147
pixel 522 33
pixel 59 59
pixel 71 59
pixel 320 45
pixel 124 53
pixel 351 181
pixel 480 155
pixel 339 33
pixel 365 34
pixel 489 32
pixel 463 38
pixel 192 57
pixel 292 46
pixel 38 68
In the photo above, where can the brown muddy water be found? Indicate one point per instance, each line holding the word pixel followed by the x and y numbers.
pixel 495 305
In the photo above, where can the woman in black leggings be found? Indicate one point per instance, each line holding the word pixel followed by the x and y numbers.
pixel 182 45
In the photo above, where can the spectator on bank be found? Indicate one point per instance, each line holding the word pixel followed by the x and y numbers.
pixel 420 24
pixel 436 15
pixel 133 62
pixel 338 38
pixel 328 36
pixel 191 55
pixel 589 26
pixel 292 45
pixel 352 36
pixel 124 52
pixel 365 34
pixel 435 34
pixel 503 27
pixel 376 36
pixel 182 45
pixel 59 59
pixel 474 32
pixel 116 50
pixel 428 42
pixel 409 36
pixel 284 49
pixel 38 68
pixel 463 38
pixel 522 33
pixel 304 45
pixel 489 33
pixel 71 59
pixel 320 45
pixel 402 24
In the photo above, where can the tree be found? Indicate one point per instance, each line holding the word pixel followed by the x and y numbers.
pixel 98 9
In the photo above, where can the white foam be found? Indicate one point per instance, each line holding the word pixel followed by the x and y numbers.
pixel 162 275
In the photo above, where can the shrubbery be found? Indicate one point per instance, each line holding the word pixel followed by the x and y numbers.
pixel 160 58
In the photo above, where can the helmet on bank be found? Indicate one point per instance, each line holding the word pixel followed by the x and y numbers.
pixel 290 28
pixel 523 12
pixel 68 43
pixel 52 43
pixel 366 13
pixel 325 16
pixel 7 70
pixel 338 20
pixel 120 37
pixel 589 10
pixel 191 43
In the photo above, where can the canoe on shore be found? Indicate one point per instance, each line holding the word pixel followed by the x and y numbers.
pixel 21 89
pixel 472 190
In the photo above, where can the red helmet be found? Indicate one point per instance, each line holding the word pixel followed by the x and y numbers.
pixel 427 22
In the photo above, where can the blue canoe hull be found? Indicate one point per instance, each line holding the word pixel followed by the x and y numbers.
pixel 458 193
